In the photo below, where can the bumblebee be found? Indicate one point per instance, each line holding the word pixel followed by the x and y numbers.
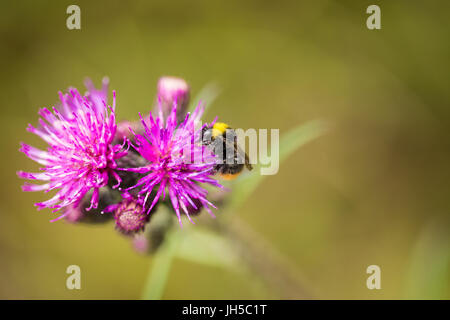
pixel 222 140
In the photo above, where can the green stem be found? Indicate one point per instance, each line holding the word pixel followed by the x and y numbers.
pixel 160 267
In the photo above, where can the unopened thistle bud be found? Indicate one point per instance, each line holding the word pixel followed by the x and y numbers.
pixel 80 214
pixel 131 160
pixel 170 90
pixel 123 131
pixel 73 214
pixel 130 217
pixel 140 243
pixel 126 129
pixel 194 208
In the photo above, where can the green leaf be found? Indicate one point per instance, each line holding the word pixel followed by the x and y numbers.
pixel 207 95
pixel 290 142
pixel 209 248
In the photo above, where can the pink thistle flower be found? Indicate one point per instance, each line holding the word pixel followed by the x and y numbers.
pixel 80 156
pixel 175 162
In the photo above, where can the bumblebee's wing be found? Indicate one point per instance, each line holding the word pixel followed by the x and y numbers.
pixel 239 155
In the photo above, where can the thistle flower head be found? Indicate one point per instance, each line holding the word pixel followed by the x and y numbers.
pixel 175 162
pixel 173 90
pixel 130 216
pixel 80 154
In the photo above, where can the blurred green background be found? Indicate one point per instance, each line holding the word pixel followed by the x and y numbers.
pixel 374 190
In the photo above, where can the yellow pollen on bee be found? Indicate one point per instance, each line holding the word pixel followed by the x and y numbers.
pixel 219 128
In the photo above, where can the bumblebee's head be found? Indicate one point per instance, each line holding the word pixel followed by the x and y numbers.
pixel 210 133
pixel 207 135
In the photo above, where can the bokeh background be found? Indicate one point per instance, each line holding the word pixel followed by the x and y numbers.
pixel 374 190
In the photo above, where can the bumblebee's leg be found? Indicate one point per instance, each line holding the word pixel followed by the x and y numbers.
pixel 247 163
